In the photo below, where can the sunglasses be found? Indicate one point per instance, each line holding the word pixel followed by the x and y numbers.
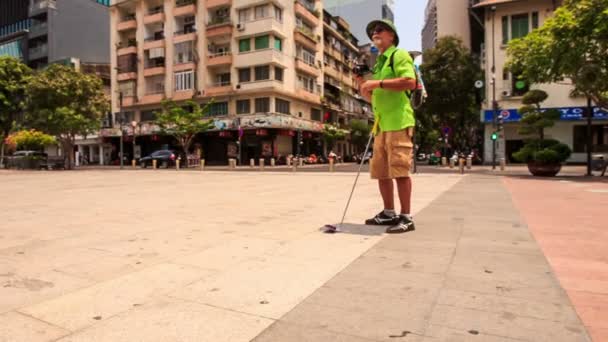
pixel 379 29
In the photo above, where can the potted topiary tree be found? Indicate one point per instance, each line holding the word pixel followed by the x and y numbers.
pixel 543 156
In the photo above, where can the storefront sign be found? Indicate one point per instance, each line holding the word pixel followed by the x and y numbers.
pixel 567 114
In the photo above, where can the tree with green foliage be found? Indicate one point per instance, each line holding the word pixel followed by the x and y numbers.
pixel 65 103
pixel 572 45
pixel 450 72
pixel 14 77
pixel 31 140
pixel 184 123
pixel 534 122
pixel 359 134
pixel 331 134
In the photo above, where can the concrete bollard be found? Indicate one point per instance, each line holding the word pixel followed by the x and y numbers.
pixel 251 163
pixel 202 164
pixel 452 163
pixel 331 165
pixel 502 164
pixel 177 164
pixel 272 162
pixel 469 163
pixel 444 161
pixel 154 164
pixel 294 167
pixel 461 163
pixel 133 163
pixel 288 161
pixel 301 161
pixel 262 164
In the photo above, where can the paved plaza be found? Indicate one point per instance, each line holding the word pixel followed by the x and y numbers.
pixel 109 255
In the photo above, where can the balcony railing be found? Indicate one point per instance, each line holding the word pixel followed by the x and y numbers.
pixel 182 3
pixel 155 38
pixel 221 84
pixel 308 33
pixel 129 43
pixel 310 6
pixel 155 63
pixel 219 21
pixel 128 17
pixel 185 31
pixel 219 54
pixel 156 89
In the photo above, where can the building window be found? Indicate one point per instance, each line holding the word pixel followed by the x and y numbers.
pixel 218 108
pixel 244 75
pixel 505 30
pixel 184 53
pixel 261 11
pixel 278 73
pixel 262 105
pixel 520 26
pixel 244 45
pixel 262 42
pixel 184 80
pixel 223 79
pixel 149 115
pixel 599 138
pixel 155 85
pixel 243 106
pixel 315 114
pixel 281 106
pixel 262 73
pixel 306 83
pixel 244 15
pixel 127 63
pixel 534 20
pixel 127 88
pixel 278 13
pixel 278 44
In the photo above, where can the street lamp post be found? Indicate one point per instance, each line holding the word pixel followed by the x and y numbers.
pixel 134 124
pixel 494 102
pixel 589 134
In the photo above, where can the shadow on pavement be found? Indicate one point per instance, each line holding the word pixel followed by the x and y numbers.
pixel 357 229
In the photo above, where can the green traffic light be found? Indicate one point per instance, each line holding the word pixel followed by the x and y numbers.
pixel 494 136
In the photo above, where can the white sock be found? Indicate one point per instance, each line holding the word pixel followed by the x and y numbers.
pixel 390 212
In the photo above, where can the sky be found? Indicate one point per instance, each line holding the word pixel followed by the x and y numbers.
pixel 409 18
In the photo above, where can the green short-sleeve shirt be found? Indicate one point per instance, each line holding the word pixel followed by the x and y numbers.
pixel 392 108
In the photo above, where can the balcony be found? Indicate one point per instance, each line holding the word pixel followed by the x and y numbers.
pixel 219 59
pixel 184 7
pixel 126 75
pixel 306 38
pixel 40 6
pixel 218 3
pixel 126 49
pixel 155 15
pixel 152 98
pixel 308 95
pixel 154 70
pixel 334 53
pixel 38 52
pixel 38 29
pixel 184 35
pixel 183 95
pixel 218 89
pixel 154 42
pixel 219 27
pixel 128 23
pixel 309 15
pixel 307 67
pixel 259 57
pixel 184 66
pixel 331 71
pixel 269 24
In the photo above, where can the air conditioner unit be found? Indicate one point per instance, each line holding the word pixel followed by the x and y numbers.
pixel 240 27
pixel 506 93
pixel 238 86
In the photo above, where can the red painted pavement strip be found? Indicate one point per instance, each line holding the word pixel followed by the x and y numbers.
pixel 569 220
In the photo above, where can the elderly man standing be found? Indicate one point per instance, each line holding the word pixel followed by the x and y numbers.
pixel 393 76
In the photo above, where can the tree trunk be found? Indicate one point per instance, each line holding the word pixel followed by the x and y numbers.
pixel 68 152
pixel 2 154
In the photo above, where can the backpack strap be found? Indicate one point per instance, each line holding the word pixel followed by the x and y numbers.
pixel 391 63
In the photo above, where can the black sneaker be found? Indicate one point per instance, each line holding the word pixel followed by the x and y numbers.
pixel 383 220
pixel 404 225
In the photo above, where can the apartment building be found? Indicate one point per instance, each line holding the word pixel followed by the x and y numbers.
pixel 40 32
pixel 511 19
pixel 446 17
pixel 258 63
pixel 341 101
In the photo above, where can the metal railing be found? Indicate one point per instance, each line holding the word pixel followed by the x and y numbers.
pixel 219 21
pixel 221 84
pixel 180 32
pixel 219 54
pixel 151 39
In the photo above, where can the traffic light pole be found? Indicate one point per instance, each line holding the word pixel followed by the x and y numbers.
pixel 120 119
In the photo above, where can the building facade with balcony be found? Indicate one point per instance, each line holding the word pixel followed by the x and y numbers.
pixel 40 32
pixel 341 100
pixel 511 19
pixel 258 63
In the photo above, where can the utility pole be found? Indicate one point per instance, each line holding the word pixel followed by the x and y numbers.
pixel 120 123
pixel 494 103
pixel 589 134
